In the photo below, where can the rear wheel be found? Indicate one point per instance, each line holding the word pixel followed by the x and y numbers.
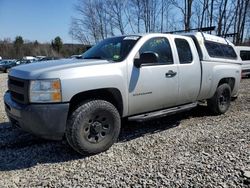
pixel 93 127
pixel 220 102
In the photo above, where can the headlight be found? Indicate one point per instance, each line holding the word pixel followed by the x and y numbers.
pixel 43 91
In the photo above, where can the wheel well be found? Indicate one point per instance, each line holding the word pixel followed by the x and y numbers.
pixel 229 81
pixel 111 95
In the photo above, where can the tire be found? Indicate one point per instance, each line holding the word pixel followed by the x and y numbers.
pixel 93 127
pixel 220 102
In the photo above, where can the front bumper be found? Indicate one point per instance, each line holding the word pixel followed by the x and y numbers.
pixel 44 120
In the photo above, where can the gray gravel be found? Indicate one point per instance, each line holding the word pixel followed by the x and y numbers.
pixel 192 149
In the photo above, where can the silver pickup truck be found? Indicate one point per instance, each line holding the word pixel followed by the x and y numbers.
pixel 139 77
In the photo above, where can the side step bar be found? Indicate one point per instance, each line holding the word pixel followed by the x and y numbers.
pixel 162 113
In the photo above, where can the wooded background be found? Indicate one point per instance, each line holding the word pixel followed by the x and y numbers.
pixel 99 19
pixel 19 48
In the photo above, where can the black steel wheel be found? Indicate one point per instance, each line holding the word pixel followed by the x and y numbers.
pixel 93 127
pixel 220 102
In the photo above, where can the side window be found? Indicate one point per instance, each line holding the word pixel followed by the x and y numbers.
pixel 160 46
pixel 228 51
pixel 245 55
pixel 213 49
pixel 219 50
pixel 184 51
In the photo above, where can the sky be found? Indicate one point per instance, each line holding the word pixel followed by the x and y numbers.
pixel 40 20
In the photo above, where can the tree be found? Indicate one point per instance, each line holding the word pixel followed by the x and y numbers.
pixel 242 8
pixel 136 6
pixel 98 19
pixel 57 44
pixel 92 21
pixel 18 43
pixel 36 43
pixel 204 10
pixel 221 16
pixel 116 11
pixel 77 32
pixel 186 12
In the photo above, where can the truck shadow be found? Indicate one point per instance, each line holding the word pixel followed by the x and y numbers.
pixel 20 150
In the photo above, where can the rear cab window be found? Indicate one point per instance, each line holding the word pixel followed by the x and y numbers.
pixel 184 51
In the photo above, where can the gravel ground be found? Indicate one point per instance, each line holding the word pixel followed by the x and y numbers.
pixel 192 149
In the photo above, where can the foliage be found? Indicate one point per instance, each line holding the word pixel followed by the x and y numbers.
pixel 18 41
pixel 57 44
pixel 9 50
pixel 18 45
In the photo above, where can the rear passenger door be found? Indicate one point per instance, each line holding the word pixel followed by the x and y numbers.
pixel 189 70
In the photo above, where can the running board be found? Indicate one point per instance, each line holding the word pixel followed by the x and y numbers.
pixel 162 113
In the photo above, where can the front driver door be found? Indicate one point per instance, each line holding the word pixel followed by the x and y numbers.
pixel 154 86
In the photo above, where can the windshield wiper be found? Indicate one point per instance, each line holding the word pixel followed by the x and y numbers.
pixel 93 57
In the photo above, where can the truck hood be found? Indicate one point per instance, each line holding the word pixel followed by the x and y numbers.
pixel 34 70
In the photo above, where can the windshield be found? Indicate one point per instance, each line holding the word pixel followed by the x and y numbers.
pixel 114 49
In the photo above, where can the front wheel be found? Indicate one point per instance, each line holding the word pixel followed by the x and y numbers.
pixel 220 102
pixel 93 127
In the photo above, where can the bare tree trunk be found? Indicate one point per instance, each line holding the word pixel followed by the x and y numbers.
pixel 222 12
pixel 189 14
pixel 229 25
pixel 211 14
pixel 240 4
pixel 186 11
pixel 205 7
pixel 235 20
pixel 162 14
pixel 243 21
pixel 138 3
pixel 185 15
pixel 149 15
pixel 115 9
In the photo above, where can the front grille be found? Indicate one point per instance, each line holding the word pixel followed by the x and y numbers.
pixel 18 89
pixel 16 82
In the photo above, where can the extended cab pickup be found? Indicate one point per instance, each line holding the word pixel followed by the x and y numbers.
pixel 136 76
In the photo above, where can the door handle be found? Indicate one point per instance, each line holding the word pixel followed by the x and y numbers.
pixel 170 74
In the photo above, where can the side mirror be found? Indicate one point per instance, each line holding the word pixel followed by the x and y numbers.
pixel 145 58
